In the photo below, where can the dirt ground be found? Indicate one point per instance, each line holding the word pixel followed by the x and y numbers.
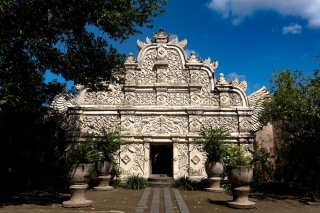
pixel 127 200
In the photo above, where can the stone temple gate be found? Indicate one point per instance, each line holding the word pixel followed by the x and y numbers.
pixel 160 108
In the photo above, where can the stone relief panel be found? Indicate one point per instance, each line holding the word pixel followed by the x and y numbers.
pixel 235 99
pixel 230 99
pixel 245 123
pixel 147 75
pixel 180 159
pixel 93 124
pixel 199 77
pixel 127 123
pixel 208 98
pixel 132 159
pixel 140 98
pixel 113 97
pixel 178 99
pixel 229 123
pixel 195 122
pixel 161 124
pixel 197 160
pixel 175 74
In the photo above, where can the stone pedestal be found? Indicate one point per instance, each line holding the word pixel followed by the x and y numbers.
pixel 214 185
pixel 104 183
pixel 240 198
pixel 77 199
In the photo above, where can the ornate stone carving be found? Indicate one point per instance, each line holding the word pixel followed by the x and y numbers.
pixel 165 98
pixel 126 159
pixel 199 77
pixel 147 75
pixel 113 97
pixel 181 159
pixel 209 98
pixel 140 98
pixel 94 124
pixel 161 124
pixel 178 99
pixel 175 74
pixel 132 159
pixel 256 100
pixel 130 59
pixel 193 58
pixel 197 160
pixel 222 79
pixel 235 99
pixel 229 123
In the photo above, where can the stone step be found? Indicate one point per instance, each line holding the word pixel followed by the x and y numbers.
pixel 160 181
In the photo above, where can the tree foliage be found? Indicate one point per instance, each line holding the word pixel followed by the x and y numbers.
pixel 295 110
pixel 54 35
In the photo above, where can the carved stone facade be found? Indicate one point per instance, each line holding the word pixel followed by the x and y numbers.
pixel 165 100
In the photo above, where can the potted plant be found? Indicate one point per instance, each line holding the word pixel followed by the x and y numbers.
pixel 212 140
pixel 81 159
pixel 108 145
pixel 239 171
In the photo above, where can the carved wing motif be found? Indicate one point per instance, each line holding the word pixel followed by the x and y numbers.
pixel 256 100
pixel 61 102
pixel 140 44
pixel 174 41
pixel 183 43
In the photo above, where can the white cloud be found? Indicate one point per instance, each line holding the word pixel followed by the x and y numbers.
pixel 234 75
pixel 238 10
pixel 293 28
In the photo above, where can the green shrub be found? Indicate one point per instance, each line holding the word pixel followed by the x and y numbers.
pixel 115 174
pixel 85 152
pixel 136 182
pixel 212 140
pixel 235 156
pixel 184 183
pixel 109 144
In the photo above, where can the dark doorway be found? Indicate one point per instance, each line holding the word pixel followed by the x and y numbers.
pixel 161 159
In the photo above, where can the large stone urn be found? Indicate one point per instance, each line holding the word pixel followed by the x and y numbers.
pixel 240 178
pixel 214 171
pixel 104 169
pixel 78 176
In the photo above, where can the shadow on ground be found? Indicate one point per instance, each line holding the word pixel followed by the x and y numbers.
pixel 36 197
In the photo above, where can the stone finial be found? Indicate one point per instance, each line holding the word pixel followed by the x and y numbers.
pixel 161 36
pixel 214 65
pixel 193 58
pixel 243 85
pixel 130 59
pixel 222 79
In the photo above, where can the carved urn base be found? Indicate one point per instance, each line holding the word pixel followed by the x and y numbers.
pixel 77 197
pixel 214 185
pixel 240 198
pixel 104 183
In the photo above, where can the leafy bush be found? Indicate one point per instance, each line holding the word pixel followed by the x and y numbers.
pixel 83 153
pixel 294 110
pixel 235 156
pixel 184 183
pixel 115 174
pixel 212 140
pixel 136 182
pixel 263 168
pixel 109 144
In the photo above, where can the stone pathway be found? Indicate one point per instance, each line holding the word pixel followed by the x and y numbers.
pixel 169 200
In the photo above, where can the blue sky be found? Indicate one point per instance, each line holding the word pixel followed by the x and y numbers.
pixel 249 38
